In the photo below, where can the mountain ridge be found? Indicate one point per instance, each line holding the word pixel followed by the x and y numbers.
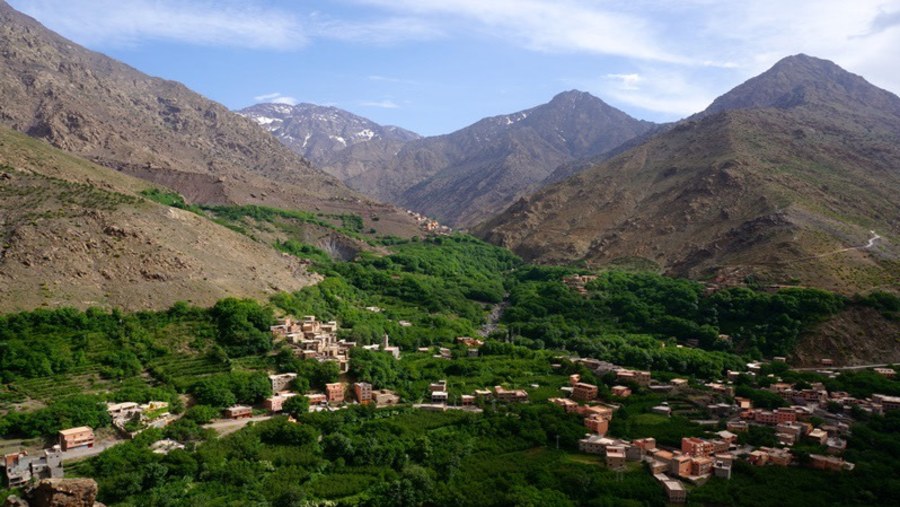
pixel 463 176
pixel 767 192
pixel 101 109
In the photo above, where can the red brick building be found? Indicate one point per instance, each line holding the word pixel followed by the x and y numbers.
pixel 335 392
pixel 596 424
pixel 694 446
pixel 238 412
pixel 363 391
pixel 584 392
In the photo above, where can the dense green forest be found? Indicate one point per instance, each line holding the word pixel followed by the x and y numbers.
pixel 66 363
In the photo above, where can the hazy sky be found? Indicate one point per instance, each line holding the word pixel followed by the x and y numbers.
pixel 434 66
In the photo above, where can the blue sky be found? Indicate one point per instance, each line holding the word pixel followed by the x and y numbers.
pixel 434 66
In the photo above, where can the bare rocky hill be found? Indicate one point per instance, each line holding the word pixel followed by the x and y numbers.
pixel 782 180
pixel 98 108
pixel 76 234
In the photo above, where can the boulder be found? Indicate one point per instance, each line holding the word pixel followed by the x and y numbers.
pixel 63 493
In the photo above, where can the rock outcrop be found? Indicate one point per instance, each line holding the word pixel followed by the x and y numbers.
pixel 58 493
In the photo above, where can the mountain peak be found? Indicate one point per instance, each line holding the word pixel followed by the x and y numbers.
pixel 803 80
pixel 574 96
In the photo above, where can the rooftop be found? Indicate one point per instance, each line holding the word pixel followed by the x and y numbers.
pixel 75 431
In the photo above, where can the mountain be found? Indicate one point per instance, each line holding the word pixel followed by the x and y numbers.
pixel 98 108
pixel 463 177
pixel 790 178
pixel 322 133
pixel 76 234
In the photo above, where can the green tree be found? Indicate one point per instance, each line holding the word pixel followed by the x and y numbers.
pixel 243 326
pixel 296 405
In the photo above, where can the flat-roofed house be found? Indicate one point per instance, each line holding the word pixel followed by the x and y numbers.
pixel 615 456
pixel 384 397
pixel 238 412
pixel 72 438
pixel 583 391
pixel 621 391
pixel 335 392
pixel 282 381
pixel 675 491
pixel 363 391
pixel 596 424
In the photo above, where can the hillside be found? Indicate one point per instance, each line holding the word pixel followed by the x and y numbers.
pixel 77 234
pixel 781 191
pixel 98 108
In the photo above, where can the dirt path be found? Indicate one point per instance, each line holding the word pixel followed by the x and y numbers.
pixel 229 426
pixel 494 318
pixel 869 244
pixel 857 367
pixel 87 452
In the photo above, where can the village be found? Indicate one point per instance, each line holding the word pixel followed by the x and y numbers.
pixel 676 469
pixel 698 459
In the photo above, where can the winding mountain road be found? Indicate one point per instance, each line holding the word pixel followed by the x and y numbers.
pixel 869 244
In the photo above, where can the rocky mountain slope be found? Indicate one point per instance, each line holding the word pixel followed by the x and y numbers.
pixel 73 233
pixel 462 177
pixel 322 134
pixel 98 108
pixel 481 169
pixel 782 179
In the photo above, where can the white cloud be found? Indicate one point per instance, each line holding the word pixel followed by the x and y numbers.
pixel 267 96
pixel 542 25
pixel 377 31
pixel 291 101
pixel 383 104
pixel 666 91
pixel 228 23
pixel 627 81
pixel 668 57
pixel 704 47
pixel 276 98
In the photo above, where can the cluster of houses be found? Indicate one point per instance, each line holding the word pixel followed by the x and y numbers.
pixel 816 396
pixel 130 418
pixel 312 339
pixel 429 224
pixel 439 397
pixel 596 416
pixel 699 458
pixel 21 469
pixel 624 376
pixel 336 394
pixel 696 461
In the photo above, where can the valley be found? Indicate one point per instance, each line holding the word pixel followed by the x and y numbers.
pixel 289 304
